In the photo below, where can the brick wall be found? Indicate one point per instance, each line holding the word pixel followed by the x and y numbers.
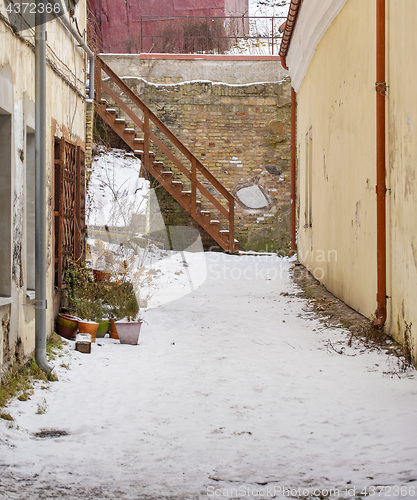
pixel 241 133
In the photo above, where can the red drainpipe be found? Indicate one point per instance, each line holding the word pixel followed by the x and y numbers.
pixel 293 170
pixel 381 88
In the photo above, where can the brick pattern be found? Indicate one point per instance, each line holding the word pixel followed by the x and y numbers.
pixel 241 133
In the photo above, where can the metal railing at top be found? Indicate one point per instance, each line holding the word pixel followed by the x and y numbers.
pixel 210 34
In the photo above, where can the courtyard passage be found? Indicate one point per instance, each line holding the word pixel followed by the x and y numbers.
pixel 236 390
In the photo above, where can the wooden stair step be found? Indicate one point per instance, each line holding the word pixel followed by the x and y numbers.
pixel 158 166
pixel 177 185
pixel 110 111
pixel 129 130
pixel 120 121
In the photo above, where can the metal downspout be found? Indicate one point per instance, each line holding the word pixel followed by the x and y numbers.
pixel 381 88
pixel 293 170
pixel 40 193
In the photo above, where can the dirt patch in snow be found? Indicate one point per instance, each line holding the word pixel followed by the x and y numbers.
pixel 333 312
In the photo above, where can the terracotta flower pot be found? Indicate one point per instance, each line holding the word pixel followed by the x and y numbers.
pixel 103 328
pixel 66 326
pixel 113 330
pixel 88 327
pixel 128 331
pixel 101 275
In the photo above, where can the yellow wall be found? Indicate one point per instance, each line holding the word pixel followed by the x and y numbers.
pixel 336 99
pixel 402 167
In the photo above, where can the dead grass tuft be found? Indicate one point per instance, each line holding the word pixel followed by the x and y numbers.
pixel 19 381
pixel 335 313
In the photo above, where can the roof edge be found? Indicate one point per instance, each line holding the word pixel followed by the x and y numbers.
pixel 289 27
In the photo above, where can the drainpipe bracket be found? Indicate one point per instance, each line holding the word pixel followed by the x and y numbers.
pixel 41 304
pixel 381 190
pixel 381 88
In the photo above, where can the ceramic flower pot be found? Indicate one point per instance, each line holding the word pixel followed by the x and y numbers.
pixel 113 330
pixel 66 326
pixel 88 327
pixel 128 331
pixel 103 328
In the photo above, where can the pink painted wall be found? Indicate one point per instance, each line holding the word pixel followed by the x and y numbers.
pixel 118 21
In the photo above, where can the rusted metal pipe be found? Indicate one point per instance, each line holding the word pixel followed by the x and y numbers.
pixel 293 170
pixel 381 88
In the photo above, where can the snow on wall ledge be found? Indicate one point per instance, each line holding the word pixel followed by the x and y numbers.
pixel 314 19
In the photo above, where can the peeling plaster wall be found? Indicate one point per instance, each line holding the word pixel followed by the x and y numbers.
pixel 65 117
pixel 401 171
pixel 336 159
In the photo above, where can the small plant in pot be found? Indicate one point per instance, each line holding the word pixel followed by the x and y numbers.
pixel 124 309
pixel 83 297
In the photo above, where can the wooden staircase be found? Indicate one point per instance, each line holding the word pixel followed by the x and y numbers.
pixel 201 180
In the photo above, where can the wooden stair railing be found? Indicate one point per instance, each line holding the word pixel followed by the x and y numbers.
pixel 224 202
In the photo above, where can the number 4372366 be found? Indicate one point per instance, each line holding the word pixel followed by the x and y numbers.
pixel 33 8
pixel 389 491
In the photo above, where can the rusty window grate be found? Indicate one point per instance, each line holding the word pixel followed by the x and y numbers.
pixel 69 206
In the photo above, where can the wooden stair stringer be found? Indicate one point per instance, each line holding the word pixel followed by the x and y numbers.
pixel 220 236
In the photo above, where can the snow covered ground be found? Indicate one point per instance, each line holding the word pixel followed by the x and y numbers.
pixel 232 392
pixel 116 193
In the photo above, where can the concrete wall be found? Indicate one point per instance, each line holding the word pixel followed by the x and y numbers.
pixel 336 141
pixel 65 117
pixel 186 68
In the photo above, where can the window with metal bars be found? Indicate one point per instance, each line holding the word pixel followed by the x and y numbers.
pixel 69 206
